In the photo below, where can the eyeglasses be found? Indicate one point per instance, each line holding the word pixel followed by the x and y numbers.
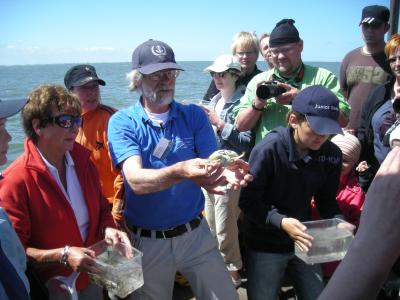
pixel 170 74
pixel 67 121
pixel 242 54
pixel 284 50
pixel 393 59
pixel 218 74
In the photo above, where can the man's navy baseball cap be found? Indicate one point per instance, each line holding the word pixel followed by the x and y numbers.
pixel 375 14
pixel 321 108
pixel 9 108
pixel 80 75
pixel 153 56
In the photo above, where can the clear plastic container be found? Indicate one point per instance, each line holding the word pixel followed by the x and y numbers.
pixel 120 275
pixel 330 243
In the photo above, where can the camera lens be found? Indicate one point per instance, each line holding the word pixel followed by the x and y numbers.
pixel 268 90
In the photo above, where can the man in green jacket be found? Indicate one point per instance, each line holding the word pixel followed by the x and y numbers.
pixel 291 75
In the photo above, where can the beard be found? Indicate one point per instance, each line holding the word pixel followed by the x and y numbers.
pixel 157 97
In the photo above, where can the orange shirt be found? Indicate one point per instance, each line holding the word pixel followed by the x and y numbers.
pixel 93 135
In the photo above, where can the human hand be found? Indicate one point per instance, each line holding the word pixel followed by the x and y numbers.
pixel 121 225
pixel 347 227
pixel 362 166
pixel 237 174
pixel 288 96
pixel 212 115
pixel 205 174
pixel 296 230
pixel 120 240
pixel 82 260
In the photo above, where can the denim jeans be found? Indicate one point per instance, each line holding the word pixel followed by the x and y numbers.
pixel 266 271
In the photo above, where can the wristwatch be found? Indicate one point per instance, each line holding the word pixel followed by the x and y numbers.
pixel 255 107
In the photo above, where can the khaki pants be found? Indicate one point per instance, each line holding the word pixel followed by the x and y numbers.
pixel 195 255
pixel 222 213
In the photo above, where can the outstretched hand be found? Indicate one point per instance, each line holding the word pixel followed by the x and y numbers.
pixel 208 176
pixel 237 174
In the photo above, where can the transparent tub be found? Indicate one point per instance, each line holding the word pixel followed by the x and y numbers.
pixel 332 238
pixel 120 275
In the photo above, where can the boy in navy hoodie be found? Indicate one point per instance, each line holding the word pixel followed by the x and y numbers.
pixel 290 166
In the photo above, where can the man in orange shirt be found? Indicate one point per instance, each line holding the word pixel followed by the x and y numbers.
pixel 82 80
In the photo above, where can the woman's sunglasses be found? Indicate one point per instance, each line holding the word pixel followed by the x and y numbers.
pixel 67 121
pixel 219 74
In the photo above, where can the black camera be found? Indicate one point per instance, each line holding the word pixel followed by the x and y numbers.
pixel 269 89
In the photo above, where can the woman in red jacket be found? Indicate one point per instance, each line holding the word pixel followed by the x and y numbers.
pixel 52 192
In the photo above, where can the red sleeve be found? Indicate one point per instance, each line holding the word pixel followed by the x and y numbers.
pixel 14 199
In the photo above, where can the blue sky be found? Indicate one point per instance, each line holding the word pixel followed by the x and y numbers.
pixel 79 31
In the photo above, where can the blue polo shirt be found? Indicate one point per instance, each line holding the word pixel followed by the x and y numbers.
pixel 131 132
pixel 283 186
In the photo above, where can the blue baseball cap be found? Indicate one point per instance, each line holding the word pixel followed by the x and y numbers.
pixel 321 108
pixel 153 56
pixel 9 108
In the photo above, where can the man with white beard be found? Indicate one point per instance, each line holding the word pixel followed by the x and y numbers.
pixel 162 146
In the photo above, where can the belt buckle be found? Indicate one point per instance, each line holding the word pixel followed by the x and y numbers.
pixel 163 232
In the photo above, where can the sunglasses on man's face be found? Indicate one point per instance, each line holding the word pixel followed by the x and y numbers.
pixel 67 121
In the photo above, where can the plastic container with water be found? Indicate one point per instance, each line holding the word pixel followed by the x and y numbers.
pixel 120 275
pixel 331 241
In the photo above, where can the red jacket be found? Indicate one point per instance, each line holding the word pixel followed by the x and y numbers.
pixel 42 216
pixel 350 198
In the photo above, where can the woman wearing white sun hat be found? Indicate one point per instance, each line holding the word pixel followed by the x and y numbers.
pixel 222 211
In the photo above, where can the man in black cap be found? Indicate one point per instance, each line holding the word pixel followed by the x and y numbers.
pixel 364 68
pixel 82 81
pixel 14 284
pixel 291 75
pixel 162 147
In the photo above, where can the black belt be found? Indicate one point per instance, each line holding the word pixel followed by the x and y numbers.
pixel 169 233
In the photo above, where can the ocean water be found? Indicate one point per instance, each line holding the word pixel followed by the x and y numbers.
pixel 18 81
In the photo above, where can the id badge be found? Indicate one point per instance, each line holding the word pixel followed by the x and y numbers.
pixel 163 148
